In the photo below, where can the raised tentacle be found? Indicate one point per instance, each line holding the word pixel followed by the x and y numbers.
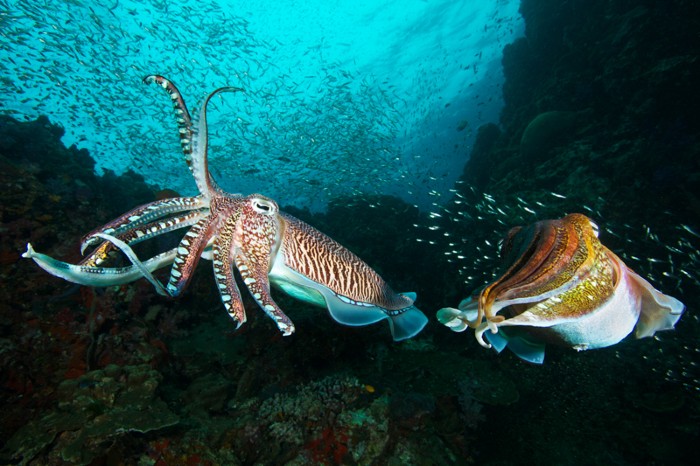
pixel 193 135
pixel 182 115
pixel 200 147
pixel 97 276
pixel 189 252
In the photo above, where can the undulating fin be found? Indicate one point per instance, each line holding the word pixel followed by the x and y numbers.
pixel 524 349
pixel 498 341
pixel 407 323
pixel 404 323
pixel 352 314
pixel 457 320
pixel 303 288
pixel 659 311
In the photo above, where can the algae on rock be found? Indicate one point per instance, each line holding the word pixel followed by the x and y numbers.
pixel 98 407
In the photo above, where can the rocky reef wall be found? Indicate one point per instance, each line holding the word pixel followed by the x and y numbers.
pixel 622 79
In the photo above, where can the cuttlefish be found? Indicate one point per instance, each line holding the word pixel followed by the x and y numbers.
pixel 564 287
pixel 245 233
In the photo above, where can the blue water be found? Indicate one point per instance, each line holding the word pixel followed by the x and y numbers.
pixel 342 97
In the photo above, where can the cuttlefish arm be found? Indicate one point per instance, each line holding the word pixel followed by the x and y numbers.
pixel 225 280
pixel 256 242
pixel 98 276
pixel 458 320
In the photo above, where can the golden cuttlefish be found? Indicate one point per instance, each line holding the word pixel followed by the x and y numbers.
pixel 563 286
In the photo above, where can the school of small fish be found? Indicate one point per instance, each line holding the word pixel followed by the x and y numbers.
pixel 323 126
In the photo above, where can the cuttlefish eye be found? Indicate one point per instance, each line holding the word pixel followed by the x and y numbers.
pixel 263 206
pixel 596 230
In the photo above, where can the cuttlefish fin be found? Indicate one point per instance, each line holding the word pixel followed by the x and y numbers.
pixel 408 322
pixel 404 323
pixel 498 341
pixel 659 311
pixel 353 314
pixel 457 320
pixel 526 350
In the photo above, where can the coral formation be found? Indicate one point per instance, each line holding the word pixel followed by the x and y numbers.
pixel 546 131
pixel 94 410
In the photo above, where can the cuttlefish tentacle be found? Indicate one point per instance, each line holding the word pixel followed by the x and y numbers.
pixel 200 147
pixel 182 115
pixel 131 255
pixel 98 276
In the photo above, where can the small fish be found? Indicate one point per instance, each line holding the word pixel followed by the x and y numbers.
pixel 690 230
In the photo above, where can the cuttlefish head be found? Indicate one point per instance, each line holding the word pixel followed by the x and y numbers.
pixel 562 286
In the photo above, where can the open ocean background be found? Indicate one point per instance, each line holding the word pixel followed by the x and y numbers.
pixel 341 98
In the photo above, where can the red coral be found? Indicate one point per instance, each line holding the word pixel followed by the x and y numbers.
pixel 331 446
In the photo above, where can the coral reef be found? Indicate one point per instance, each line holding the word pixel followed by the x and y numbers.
pixel 632 94
pixel 94 412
